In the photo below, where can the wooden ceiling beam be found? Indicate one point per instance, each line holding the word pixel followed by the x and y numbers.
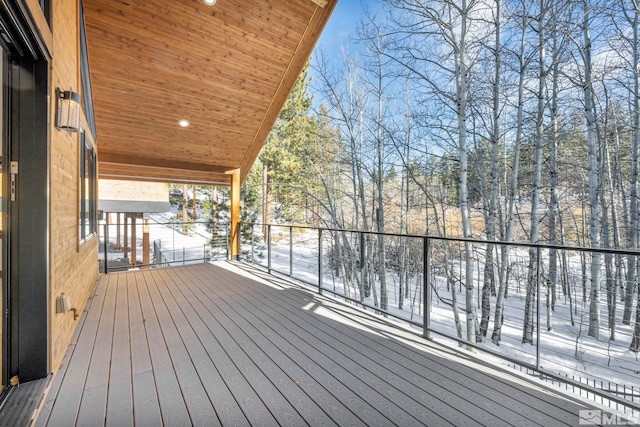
pixel 160 174
pixel 320 3
pixel 117 158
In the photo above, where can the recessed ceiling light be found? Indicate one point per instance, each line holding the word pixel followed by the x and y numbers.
pixel 183 122
pixel 209 2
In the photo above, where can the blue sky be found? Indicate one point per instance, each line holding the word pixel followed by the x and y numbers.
pixel 342 25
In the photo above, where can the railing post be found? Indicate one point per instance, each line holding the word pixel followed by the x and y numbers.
pixel 269 248
pixel 320 260
pixel 538 265
pixel 290 251
pixel 106 245
pixel 426 283
pixel 173 236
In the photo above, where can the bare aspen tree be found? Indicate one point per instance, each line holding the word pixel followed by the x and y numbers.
pixel 632 14
pixel 185 209
pixel 534 234
pixel 378 90
pixel 488 286
pixel 553 168
pixel 346 100
pixel 448 21
pixel 592 141
pixel 522 65
pixel 613 275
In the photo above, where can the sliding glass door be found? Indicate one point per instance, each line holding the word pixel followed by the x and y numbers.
pixel 3 272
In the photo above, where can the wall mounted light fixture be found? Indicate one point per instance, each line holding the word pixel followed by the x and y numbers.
pixel 67 110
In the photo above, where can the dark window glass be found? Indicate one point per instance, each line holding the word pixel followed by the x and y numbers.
pixel 88 204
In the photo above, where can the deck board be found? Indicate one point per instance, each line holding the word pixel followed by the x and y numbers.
pixel 68 394
pixel 120 393
pixel 209 345
pixel 146 405
pixel 303 405
pixel 172 405
pixel 443 394
pixel 358 377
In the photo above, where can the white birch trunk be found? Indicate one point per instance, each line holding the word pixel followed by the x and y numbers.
pixel 594 207
pixel 461 110
pixel 489 285
pixel 533 275
pixel 504 250
pixel 632 242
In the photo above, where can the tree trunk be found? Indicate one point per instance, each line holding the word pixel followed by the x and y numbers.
pixel 214 208
pixel 533 273
pixel 511 197
pixel 594 207
pixel 632 241
pixel 185 208
pixel 461 76
pixel 488 286
pixel 266 200
pixel 553 180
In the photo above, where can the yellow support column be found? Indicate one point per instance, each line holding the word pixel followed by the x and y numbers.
pixel 234 238
pixel 145 241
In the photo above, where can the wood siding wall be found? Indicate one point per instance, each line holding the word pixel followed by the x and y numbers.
pixel 73 265
pixel 112 189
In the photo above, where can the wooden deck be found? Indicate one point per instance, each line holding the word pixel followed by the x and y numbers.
pixel 210 345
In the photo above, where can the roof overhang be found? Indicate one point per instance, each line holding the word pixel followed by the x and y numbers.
pixel 227 69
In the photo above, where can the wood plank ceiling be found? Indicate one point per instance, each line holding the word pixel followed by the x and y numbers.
pixel 227 69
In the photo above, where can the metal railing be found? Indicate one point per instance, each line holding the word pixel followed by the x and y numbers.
pixel 167 243
pixel 436 284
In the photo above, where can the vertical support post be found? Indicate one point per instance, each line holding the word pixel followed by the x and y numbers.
pixel 426 284
pixel 320 272
pixel 145 240
pixel 134 250
pixel 125 247
pixel 269 248
pixel 106 245
pixel 118 244
pixel 538 265
pixel 235 213
pixel 290 251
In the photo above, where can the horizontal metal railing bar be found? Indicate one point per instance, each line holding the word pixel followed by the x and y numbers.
pixel 153 225
pixel 614 251
pixel 124 267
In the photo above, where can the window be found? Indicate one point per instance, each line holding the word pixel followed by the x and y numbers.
pixel 88 203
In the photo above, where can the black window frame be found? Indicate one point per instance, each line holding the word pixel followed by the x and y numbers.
pixel 87 168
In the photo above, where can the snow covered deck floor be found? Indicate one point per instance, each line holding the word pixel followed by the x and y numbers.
pixel 210 345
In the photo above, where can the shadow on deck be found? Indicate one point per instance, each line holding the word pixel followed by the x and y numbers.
pixel 212 345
